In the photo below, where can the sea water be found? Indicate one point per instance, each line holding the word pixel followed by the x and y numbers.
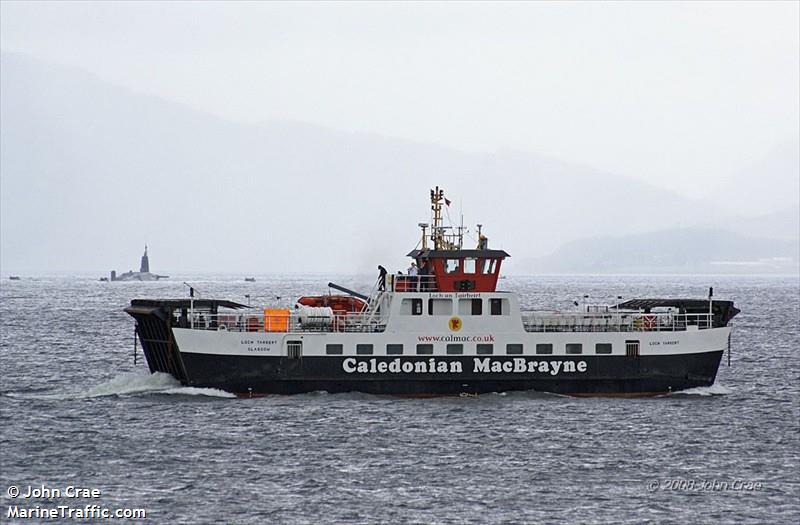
pixel 76 412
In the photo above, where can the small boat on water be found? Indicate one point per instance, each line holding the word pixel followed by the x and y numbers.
pixel 14 277
pixel 249 279
pixel 443 329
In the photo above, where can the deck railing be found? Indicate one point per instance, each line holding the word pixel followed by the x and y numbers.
pixel 294 322
pixel 411 283
pixel 367 322
pixel 614 322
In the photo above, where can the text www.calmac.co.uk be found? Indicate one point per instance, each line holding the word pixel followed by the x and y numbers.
pixel 456 338
pixel 62 512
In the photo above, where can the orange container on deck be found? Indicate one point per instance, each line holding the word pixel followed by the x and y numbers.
pixel 276 319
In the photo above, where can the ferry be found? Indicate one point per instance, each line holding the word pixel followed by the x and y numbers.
pixel 442 329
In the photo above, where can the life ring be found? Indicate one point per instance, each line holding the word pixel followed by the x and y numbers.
pixel 222 327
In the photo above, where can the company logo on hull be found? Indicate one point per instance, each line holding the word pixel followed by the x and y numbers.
pixel 487 365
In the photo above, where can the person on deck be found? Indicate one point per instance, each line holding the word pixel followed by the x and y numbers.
pixel 423 276
pixel 381 278
pixel 412 277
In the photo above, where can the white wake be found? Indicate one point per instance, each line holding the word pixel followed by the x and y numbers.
pixel 129 384
pixel 158 383
pixel 714 390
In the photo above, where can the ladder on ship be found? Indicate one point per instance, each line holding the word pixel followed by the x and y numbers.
pixel 372 311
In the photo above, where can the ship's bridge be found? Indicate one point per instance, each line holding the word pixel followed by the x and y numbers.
pixel 442 262
pixel 454 271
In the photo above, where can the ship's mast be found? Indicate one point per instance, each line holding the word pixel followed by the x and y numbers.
pixel 461 230
pixel 442 241
pixel 437 229
pixel 443 261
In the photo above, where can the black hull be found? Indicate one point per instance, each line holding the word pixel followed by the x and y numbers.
pixel 603 376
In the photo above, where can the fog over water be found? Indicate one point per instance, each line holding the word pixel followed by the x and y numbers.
pixel 303 137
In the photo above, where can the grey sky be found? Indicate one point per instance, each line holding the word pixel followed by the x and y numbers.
pixel 682 95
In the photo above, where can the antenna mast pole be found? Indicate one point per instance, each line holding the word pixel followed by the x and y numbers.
pixel 437 230
pixel 191 304
pixel 461 226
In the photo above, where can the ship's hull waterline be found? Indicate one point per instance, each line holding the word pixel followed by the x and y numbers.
pixel 569 375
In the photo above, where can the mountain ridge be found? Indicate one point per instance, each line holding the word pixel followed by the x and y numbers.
pixel 92 171
pixel 685 250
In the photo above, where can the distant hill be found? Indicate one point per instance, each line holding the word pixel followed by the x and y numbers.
pixel 673 251
pixel 779 224
pixel 768 184
pixel 91 172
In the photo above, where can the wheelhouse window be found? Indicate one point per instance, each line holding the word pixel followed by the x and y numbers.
pixel 440 307
pixel 334 349
pixel 455 349
pixel 470 265
pixel 602 348
pixel 514 348
pixel 451 265
pixel 488 266
pixel 544 348
pixel 363 349
pixel 394 349
pixel 574 348
pixel 425 349
pixel 485 349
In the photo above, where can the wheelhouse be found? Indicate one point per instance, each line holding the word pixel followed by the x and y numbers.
pixel 443 265
pixel 459 270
